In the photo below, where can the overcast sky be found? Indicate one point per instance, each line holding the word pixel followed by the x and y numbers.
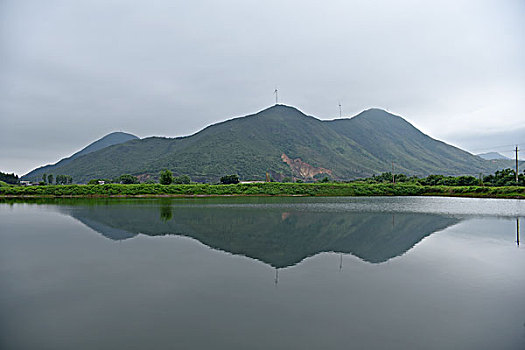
pixel 73 71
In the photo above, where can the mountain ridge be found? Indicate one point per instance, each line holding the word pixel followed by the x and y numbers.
pixel 110 139
pixel 273 139
pixel 492 156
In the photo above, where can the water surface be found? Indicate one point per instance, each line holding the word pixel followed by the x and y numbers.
pixel 383 273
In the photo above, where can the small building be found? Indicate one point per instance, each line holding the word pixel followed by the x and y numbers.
pixel 101 182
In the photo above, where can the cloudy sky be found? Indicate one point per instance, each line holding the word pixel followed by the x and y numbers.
pixel 73 71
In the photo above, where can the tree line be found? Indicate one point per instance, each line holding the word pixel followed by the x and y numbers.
pixel 47 179
pixel 9 178
pixel 504 177
pixel 166 177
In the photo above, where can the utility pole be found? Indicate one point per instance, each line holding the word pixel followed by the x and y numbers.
pixel 517 165
pixel 393 176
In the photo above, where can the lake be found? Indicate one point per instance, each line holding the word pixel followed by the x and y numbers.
pixel 262 273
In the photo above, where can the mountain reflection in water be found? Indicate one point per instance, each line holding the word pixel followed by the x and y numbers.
pixel 279 237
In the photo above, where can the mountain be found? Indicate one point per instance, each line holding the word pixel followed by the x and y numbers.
pixel 111 139
pixel 283 141
pixel 492 156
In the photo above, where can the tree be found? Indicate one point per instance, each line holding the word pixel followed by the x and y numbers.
pixel 44 177
pixel 9 178
pixel 63 179
pixel 166 177
pixel 127 179
pixel 230 179
pixel 50 179
pixel 183 179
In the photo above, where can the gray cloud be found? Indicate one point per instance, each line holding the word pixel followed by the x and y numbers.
pixel 74 71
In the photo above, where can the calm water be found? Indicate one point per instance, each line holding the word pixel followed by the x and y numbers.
pixel 262 273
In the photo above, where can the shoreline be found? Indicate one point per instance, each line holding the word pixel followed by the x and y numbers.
pixel 271 189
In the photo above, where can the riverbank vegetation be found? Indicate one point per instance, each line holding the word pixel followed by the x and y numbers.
pixel 270 188
pixel 504 177
pixel 502 184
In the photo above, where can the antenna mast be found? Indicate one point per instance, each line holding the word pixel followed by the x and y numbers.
pixel 276 96
pixel 340 110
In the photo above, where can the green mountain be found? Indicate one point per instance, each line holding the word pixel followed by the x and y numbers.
pixel 283 141
pixel 113 138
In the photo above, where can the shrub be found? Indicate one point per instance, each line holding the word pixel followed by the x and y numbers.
pixel 127 179
pixel 183 179
pixel 229 179
pixel 166 177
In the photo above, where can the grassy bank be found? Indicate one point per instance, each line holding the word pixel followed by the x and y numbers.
pixel 271 189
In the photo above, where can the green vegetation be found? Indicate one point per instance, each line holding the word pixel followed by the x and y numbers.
pixel 64 180
pixel 252 146
pixel 272 189
pixel 127 179
pixel 229 179
pixel 505 177
pixel 183 179
pixel 9 178
pixel 166 177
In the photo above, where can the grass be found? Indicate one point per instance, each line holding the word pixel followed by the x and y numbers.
pixel 261 189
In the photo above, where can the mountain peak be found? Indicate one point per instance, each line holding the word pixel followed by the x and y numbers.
pixel 110 139
pixel 376 113
pixel 119 133
pixel 281 108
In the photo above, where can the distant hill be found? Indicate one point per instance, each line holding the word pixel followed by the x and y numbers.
pixel 111 139
pixel 492 156
pixel 284 142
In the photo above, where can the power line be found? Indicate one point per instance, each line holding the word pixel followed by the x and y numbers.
pixel 498 147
